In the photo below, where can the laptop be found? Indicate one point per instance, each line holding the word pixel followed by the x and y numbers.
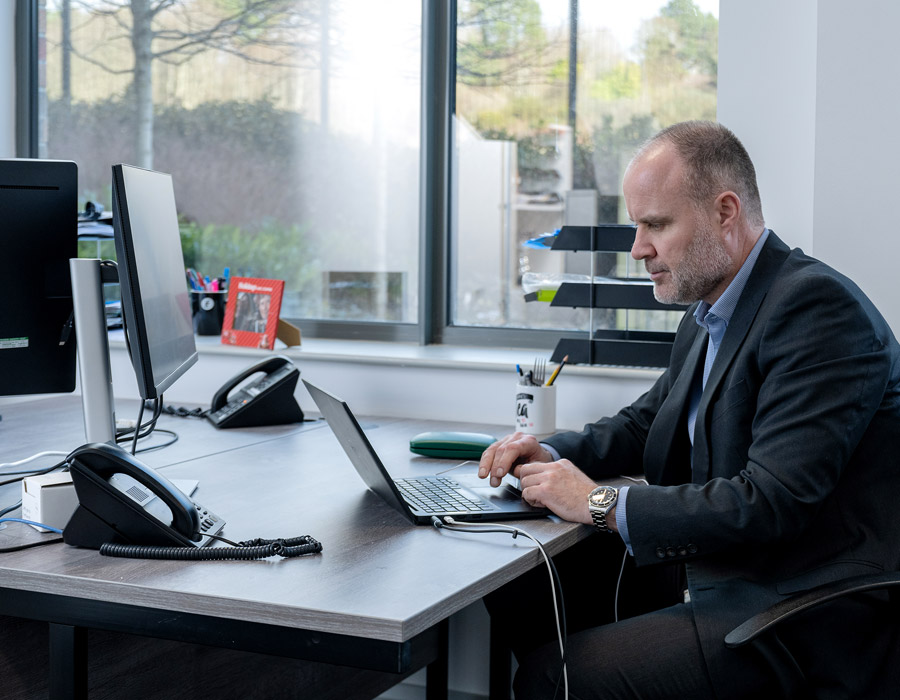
pixel 464 498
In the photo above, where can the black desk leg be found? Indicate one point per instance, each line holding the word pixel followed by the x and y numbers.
pixel 437 673
pixel 68 662
pixel 500 667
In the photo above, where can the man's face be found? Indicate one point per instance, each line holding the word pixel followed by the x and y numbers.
pixel 679 244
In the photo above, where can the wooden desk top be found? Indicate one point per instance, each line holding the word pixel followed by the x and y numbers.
pixel 378 577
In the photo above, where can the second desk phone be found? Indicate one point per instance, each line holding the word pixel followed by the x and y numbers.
pixel 267 400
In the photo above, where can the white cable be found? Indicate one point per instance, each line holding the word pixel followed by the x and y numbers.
pixel 624 556
pixel 618 584
pixel 4 465
pixel 476 527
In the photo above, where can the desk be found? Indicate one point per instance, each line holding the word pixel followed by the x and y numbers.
pixel 376 599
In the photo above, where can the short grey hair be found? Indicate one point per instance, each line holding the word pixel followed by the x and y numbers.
pixel 714 161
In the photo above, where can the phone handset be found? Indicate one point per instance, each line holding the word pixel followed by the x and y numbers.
pixel 267 366
pixel 268 400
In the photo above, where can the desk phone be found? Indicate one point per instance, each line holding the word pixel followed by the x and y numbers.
pixel 117 505
pixel 267 400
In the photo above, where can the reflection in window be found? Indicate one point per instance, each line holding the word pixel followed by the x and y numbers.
pixel 291 132
pixel 541 140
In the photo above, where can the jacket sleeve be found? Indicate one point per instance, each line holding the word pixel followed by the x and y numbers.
pixel 615 445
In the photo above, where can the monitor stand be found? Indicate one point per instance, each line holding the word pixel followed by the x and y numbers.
pixel 91 334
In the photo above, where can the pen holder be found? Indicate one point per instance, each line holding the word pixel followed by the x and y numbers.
pixel 535 409
pixel 208 309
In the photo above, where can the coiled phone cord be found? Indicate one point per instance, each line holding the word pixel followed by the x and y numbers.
pixel 251 549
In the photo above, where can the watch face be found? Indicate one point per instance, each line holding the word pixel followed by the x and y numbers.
pixel 603 497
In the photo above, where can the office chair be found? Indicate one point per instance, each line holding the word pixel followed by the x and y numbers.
pixel 761 630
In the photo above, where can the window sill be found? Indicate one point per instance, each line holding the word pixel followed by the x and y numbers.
pixel 408 355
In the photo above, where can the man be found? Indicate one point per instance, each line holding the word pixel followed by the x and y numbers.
pixel 770 445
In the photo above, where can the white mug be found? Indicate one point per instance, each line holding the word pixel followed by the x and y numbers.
pixel 535 409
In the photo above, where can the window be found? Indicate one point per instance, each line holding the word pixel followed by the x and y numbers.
pixel 294 135
pixel 291 132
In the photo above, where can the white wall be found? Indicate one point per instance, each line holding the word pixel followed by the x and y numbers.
pixel 808 86
pixel 404 381
pixel 7 79
pixel 767 96
pixel 858 147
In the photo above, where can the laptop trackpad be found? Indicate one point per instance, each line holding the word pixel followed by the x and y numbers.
pixel 466 475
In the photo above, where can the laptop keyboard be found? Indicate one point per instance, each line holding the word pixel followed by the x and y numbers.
pixel 438 494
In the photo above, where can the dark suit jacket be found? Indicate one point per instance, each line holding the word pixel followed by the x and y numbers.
pixel 796 473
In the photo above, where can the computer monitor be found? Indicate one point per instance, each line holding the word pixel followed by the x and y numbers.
pixel 38 235
pixel 155 302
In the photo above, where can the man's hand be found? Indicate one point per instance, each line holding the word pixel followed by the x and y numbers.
pixel 508 453
pixel 560 486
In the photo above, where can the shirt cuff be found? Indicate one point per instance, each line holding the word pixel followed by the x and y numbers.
pixel 621 521
pixel 552 450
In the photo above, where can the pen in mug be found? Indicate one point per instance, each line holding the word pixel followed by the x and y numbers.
pixel 557 371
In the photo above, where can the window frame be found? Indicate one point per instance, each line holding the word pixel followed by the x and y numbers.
pixel 27 74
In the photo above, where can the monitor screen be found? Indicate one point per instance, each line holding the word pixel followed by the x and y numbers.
pixel 155 302
pixel 38 235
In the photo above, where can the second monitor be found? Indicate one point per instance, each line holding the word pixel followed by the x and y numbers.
pixel 155 302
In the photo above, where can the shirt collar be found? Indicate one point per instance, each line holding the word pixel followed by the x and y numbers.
pixel 726 304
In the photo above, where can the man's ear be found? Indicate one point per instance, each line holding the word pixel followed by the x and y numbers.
pixel 728 210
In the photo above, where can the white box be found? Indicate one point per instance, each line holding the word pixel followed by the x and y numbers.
pixel 49 499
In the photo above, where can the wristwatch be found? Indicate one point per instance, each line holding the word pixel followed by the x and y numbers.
pixel 600 501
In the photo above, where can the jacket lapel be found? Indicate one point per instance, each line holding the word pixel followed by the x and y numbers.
pixel 667 460
pixel 770 260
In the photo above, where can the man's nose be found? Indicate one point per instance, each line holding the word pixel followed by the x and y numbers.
pixel 640 249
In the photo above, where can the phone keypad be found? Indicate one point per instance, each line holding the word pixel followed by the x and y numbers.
pixel 210 523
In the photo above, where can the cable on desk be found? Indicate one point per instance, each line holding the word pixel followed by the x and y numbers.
pixel 173 438
pixel 29 545
pixel 183 412
pixel 253 549
pixel 31 522
pixel 30 472
pixel 10 509
pixel 559 608
pixel 46 453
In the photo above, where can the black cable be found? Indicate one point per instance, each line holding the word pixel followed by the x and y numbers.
pixel 41 543
pixel 173 438
pixel 137 429
pixel 144 430
pixel 10 509
pixel 32 472
pixel 183 412
pixel 252 549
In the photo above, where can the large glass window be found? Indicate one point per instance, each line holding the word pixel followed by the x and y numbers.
pixel 291 129
pixel 552 97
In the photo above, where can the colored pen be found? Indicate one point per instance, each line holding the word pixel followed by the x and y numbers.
pixel 557 371
pixel 194 279
pixel 519 370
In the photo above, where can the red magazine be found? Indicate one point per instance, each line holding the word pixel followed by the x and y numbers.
pixel 251 315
